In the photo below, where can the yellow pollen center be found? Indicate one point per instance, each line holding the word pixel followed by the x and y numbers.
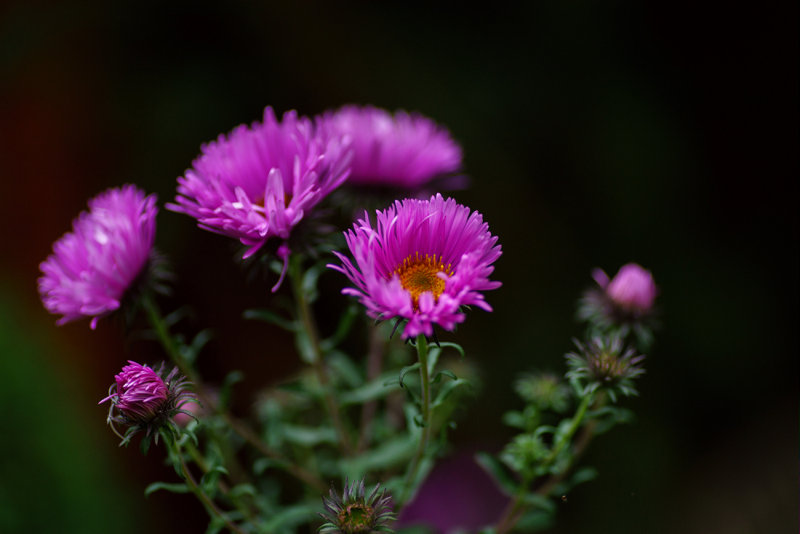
pixel 418 274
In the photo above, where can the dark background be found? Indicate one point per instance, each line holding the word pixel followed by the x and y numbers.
pixel 595 133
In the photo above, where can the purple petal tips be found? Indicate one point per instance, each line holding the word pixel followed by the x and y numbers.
pixel 400 150
pixel 422 261
pixel 93 266
pixel 259 181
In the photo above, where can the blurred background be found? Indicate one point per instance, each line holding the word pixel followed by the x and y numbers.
pixel 595 133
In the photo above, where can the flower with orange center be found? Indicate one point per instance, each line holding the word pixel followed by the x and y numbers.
pixel 422 261
pixel 420 274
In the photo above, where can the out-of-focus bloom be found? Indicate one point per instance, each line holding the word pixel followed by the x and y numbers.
pixel 260 181
pixel 143 398
pixel 399 151
pixel 633 287
pixel 355 512
pixel 92 267
pixel 621 305
pixel 605 363
pixel 544 390
pixel 423 261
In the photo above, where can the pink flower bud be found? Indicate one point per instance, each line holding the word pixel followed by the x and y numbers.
pixel 140 393
pixel 632 288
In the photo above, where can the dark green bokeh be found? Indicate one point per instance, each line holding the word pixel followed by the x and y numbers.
pixel 595 133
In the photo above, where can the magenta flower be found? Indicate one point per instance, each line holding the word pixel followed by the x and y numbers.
pixel 258 182
pixel 143 398
pixel 404 151
pixel 139 393
pixel 632 289
pixel 422 262
pixel 92 267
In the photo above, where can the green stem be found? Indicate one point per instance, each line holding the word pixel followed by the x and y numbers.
pixel 425 401
pixel 318 358
pixel 210 506
pixel 239 427
pixel 516 507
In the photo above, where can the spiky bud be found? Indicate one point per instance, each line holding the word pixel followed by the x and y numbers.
pixel 605 363
pixel 355 512
pixel 146 399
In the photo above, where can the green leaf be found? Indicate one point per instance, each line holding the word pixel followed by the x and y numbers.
pixel 268 316
pixel 451 345
pixel 514 419
pixel 540 502
pixel 505 481
pixel 405 370
pixel 342 329
pixel 178 487
pixel 291 517
pixel 308 436
pixel 243 489
pixel 304 347
pixel 377 389
pixel 448 389
pixel 535 520
pixel 345 368
pixel 262 464
pixel 389 454
pixel 209 480
pixel 441 374
pixel 226 389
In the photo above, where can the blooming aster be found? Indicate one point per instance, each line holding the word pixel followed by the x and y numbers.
pixel 422 262
pixel 92 267
pixel 404 151
pixel 259 181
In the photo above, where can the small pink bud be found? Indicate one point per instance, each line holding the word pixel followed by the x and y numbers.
pixel 140 392
pixel 632 288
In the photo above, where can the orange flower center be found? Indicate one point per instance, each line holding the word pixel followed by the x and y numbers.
pixel 419 274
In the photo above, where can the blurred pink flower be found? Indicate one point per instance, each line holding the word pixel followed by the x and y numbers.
pixel 93 266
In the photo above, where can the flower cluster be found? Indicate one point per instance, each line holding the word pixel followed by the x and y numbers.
pixel 145 399
pixel 92 267
pixel 422 262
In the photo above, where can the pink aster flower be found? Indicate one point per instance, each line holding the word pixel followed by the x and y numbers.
pixel 632 289
pixel 422 261
pixel 259 181
pixel 92 267
pixel 404 151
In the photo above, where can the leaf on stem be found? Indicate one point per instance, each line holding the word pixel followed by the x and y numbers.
pixel 268 316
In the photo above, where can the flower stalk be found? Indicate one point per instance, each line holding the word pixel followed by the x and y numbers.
pixel 425 413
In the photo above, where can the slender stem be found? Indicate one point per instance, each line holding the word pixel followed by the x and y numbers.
pixel 239 427
pixel 425 401
pixel 318 362
pixel 201 462
pixel 516 507
pixel 246 433
pixel 208 503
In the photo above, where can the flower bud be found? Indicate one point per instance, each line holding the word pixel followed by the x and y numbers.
pixel 355 512
pixel 142 398
pixel 604 362
pixel 632 288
